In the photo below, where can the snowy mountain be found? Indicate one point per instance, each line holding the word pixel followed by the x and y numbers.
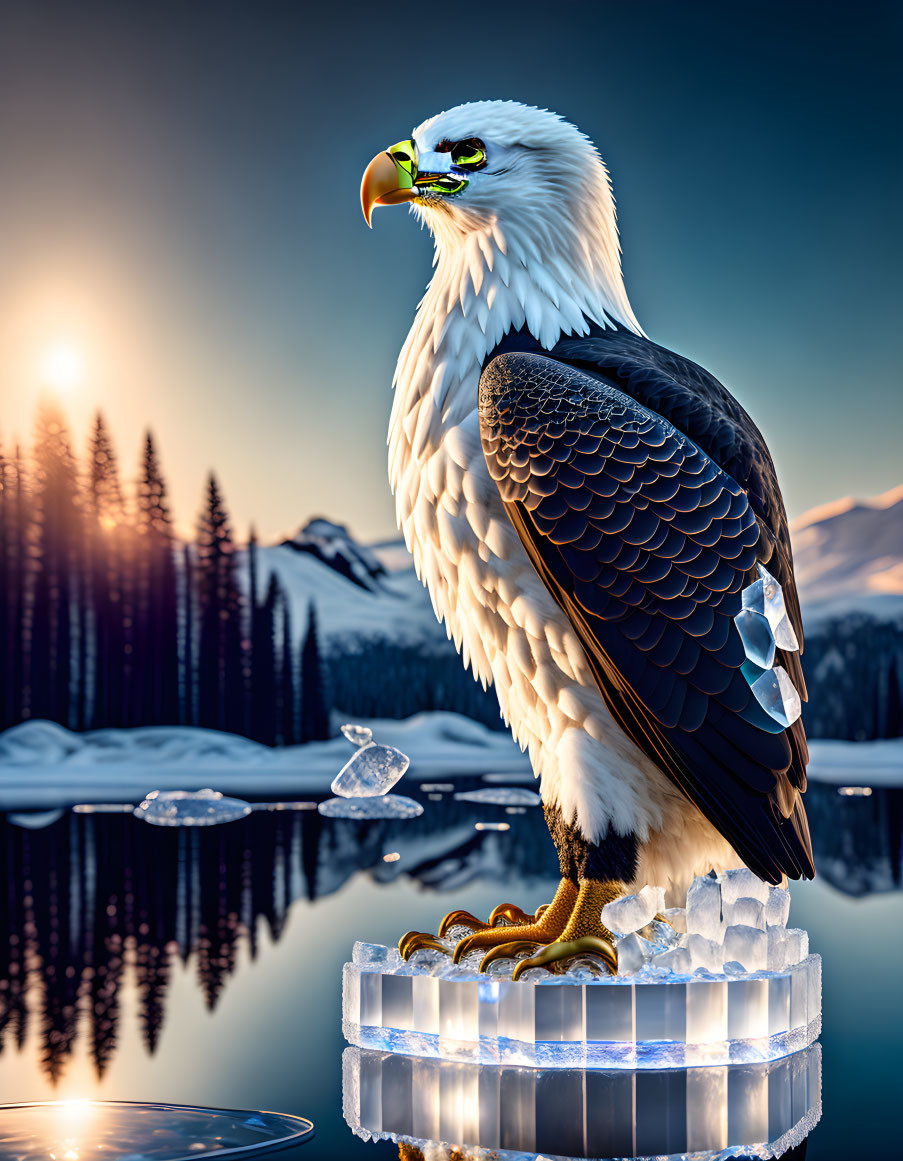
pixel 848 556
pixel 361 593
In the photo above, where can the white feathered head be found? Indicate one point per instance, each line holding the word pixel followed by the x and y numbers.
pixel 512 180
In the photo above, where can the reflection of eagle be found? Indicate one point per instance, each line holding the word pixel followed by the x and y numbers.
pixel 599 525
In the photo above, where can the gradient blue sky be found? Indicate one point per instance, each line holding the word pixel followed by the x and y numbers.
pixel 179 194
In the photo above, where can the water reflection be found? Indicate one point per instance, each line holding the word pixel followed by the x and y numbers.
pixel 101 1131
pixel 765 1109
pixel 92 896
pixel 91 893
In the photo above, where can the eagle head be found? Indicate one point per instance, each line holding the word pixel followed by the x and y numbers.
pixel 496 180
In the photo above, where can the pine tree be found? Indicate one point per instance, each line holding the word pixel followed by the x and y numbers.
pixel 314 712
pixel 18 518
pixel 109 621
pixel 263 692
pixel 57 544
pixel 156 598
pixel 219 612
pixel 287 732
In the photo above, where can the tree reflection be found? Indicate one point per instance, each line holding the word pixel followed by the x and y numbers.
pixel 96 896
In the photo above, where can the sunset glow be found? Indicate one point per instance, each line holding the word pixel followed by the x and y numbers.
pixel 62 367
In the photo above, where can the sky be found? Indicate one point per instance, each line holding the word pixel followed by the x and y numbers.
pixel 179 211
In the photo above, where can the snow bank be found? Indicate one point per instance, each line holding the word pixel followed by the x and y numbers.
pixel 857 763
pixel 44 764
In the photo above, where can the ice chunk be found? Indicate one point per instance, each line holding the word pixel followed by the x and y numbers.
pixel 363 953
pixel 747 946
pixel 633 951
pixel 357 735
pixel 500 796
pixel 777 949
pixel 631 912
pixel 492 826
pixel 765 596
pixel 704 909
pixel 704 953
pixel 677 917
pixel 742 884
pixel 746 912
pixel 796 945
pixel 778 696
pixel 676 959
pixel 777 909
pixel 757 637
pixel 388 806
pixel 190 808
pixel 370 772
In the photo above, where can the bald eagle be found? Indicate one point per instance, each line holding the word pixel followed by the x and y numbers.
pixel 600 527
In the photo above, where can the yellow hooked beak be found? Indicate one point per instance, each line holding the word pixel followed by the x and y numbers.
pixel 390 178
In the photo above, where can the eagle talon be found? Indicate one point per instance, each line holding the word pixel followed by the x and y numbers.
pixel 461 918
pixel 413 941
pixel 511 912
pixel 563 950
pixel 507 951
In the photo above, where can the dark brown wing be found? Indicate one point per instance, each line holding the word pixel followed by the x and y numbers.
pixel 646 545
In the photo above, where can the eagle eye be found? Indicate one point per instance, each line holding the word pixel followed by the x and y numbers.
pixel 468 154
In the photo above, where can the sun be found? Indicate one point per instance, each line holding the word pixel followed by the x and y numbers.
pixel 62 367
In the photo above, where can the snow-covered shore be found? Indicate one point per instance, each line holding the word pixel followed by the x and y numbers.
pixel 43 764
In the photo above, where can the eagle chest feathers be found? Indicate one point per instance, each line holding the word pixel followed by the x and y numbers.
pixel 510 630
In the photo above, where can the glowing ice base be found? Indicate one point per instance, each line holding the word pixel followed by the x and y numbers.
pixel 460 1110
pixel 657 1019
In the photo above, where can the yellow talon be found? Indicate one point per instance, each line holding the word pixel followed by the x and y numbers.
pixel 511 912
pixel 554 953
pixel 541 910
pixel 463 919
pixel 507 951
pixel 417 941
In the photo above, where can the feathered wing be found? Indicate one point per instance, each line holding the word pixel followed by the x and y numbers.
pixel 645 543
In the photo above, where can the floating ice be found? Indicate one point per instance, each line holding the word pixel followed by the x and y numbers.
pixel 503 796
pixel 190 808
pixel 103 808
pixel 130 1131
pixel 357 735
pixel 778 696
pixel 492 826
pixel 704 909
pixel 279 806
pixel 35 819
pixel 373 770
pixel 632 912
pixel 765 596
pixel 384 806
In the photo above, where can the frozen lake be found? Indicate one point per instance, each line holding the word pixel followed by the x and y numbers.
pixel 203 966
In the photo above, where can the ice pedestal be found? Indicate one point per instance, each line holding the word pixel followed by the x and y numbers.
pixel 643 1021
pixel 448 1108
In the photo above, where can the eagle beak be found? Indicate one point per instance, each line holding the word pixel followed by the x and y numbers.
pixel 390 178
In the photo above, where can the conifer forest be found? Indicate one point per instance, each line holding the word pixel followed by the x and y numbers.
pixel 107 619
